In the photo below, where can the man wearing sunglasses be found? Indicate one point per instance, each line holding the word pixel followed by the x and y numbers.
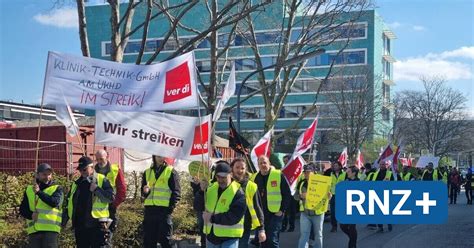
pixel 88 206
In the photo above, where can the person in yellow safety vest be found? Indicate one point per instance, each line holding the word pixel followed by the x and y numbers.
pixel 275 193
pixel 311 219
pixel 337 176
pixel 430 174
pixel 350 229
pixel 254 214
pixel 383 174
pixel 41 207
pixel 162 191
pixel 406 175
pixel 88 206
pixel 115 176
pixel 225 207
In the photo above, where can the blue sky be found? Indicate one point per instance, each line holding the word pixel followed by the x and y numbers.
pixel 433 37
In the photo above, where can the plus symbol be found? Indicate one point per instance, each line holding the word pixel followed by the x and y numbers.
pixel 426 203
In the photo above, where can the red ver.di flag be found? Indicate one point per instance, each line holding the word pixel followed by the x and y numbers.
pixel 292 171
pixel 261 148
pixel 89 83
pixel 167 135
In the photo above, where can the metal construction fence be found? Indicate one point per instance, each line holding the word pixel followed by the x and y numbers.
pixel 19 156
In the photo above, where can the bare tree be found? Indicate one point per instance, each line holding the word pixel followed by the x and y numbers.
pixel 355 104
pixel 306 27
pixel 433 118
pixel 218 16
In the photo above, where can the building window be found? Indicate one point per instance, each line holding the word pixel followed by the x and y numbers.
pixel 348 58
pixel 387 70
pixel 386 45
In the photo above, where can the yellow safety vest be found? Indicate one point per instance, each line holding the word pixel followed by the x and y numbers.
pixel 49 218
pixel 388 174
pixel 99 209
pixel 435 175
pixel 445 177
pixel 336 180
pixel 273 190
pixel 405 177
pixel 160 192
pixel 250 191
pixel 112 175
pixel 222 205
pixel 319 209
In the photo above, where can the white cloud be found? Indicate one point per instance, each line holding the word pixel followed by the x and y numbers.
pixel 394 25
pixel 418 28
pixel 441 64
pixel 463 52
pixel 62 18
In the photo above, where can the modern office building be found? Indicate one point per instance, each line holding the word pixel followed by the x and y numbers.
pixel 369 49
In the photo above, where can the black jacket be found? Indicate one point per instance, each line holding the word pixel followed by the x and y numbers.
pixel 261 182
pixel 237 209
pixel 53 200
pixel 256 205
pixel 82 201
pixel 173 184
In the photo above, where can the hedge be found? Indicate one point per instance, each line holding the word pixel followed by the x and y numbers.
pixel 129 232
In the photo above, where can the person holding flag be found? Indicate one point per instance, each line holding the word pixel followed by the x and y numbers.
pixel 162 191
pixel 41 207
pixel 254 219
pixel 276 195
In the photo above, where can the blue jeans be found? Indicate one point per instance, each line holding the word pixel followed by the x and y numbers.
pixel 272 230
pixel 306 222
pixel 231 243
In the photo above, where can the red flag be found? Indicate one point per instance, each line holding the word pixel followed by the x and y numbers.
pixel 395 161
pixel 343 157
pixel 292 171
pixel 306 139
pixel 359 160
pixel 386 155
pixel 261 148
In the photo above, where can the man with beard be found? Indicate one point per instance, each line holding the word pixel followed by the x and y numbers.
pixel 41 207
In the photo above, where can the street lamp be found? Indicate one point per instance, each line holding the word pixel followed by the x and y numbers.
pixel 292 61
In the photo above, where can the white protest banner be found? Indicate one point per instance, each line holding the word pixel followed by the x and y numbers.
pixel 167 135
pixel 104 85
pixel 424 160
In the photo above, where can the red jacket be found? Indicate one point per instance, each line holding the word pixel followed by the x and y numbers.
pixel 121 187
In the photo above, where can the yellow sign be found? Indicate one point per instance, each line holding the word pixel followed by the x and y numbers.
pixel 318 188
pixel 198 170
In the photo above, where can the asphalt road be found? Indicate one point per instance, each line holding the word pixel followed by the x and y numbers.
pixel 458 232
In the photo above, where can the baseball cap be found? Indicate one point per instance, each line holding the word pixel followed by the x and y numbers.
pixel 84 162
pixel 43 167
pixel 223 168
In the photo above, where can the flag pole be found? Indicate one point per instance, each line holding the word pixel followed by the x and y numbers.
pixel 40 117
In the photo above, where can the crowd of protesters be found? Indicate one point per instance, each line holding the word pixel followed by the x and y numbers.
pixel 231 206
